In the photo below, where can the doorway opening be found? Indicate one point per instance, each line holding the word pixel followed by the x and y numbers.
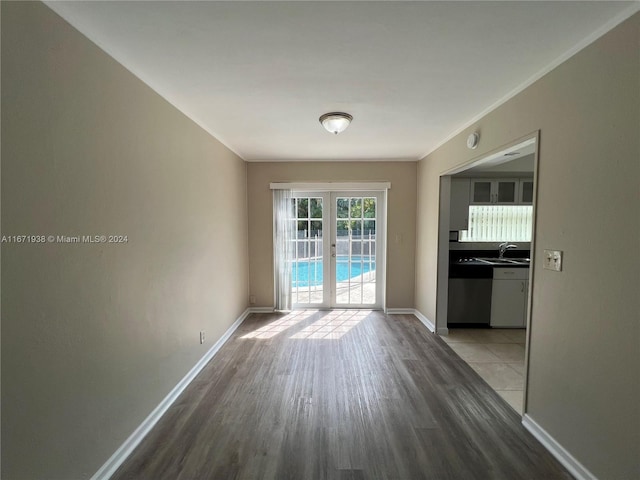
pixel 485 280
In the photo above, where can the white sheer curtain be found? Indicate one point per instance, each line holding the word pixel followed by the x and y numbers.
pixel 283 234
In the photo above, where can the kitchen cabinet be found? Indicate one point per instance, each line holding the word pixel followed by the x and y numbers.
pixel 509 297
pixel 525 191
pixel 488 191
pixel 459 206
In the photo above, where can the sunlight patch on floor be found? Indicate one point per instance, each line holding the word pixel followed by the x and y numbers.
pixel 280 325
pixel 333 325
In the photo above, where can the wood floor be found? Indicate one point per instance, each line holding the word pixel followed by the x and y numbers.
pixel 339 395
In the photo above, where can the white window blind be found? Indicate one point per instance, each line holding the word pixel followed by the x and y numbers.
pixel 498 223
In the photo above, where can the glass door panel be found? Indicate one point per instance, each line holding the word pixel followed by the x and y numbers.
pixel 355 250
pixel 308 281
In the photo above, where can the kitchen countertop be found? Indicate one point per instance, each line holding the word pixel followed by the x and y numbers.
pixel 480 264
pixel 494 262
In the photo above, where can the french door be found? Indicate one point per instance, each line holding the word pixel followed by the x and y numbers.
pixel 338 250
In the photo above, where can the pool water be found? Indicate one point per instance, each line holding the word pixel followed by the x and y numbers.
pixel 309 272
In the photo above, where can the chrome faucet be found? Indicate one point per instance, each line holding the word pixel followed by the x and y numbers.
pixel 504 247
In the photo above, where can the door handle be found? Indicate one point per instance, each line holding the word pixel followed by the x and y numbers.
pixel 333 250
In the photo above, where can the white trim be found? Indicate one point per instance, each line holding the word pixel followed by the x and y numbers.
pixel 261 310
pixel 331 186
pixel 442 331
pixel 385 257
pixel 120 455
pixel 569 462
pixel 610 25
pixel 427 323
pixel 400 311
pixel 331 160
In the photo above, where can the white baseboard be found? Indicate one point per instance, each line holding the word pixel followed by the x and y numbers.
pixel 412 311
pixel 261 310
pixel 145 427
pixel 442 331
pixel 427 323
pixel 563 456
pixel 401 311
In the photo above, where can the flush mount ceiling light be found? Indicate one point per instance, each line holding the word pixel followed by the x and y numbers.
pixel 335 122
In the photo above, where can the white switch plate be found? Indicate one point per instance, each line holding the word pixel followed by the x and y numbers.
pixel 553 260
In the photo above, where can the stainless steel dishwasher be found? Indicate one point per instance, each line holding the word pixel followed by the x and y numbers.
pixel 470 287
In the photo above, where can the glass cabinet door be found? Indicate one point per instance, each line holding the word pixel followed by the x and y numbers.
pixel 506 191
pixel 526 192
pixel 494 191
pixel 481 191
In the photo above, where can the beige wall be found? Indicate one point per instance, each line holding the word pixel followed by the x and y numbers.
pixel 401 216
pixel 95 335
pixel 585 327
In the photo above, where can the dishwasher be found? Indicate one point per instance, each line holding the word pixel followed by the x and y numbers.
pixel 469 302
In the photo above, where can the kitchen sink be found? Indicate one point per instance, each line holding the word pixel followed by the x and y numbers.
pixel 504 261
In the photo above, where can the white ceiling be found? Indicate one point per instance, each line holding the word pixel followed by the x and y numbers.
pixel 257 75
pixel 518 158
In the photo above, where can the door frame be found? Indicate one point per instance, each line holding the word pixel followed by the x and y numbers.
pixel 381 187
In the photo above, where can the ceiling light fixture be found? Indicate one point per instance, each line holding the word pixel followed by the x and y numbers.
pixel 335 122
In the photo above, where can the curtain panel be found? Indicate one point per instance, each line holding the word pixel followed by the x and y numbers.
pixel 283 236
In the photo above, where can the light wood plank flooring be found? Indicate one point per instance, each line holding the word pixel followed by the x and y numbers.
pixel 339 395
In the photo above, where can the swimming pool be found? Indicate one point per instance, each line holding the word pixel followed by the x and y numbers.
pixel 306 273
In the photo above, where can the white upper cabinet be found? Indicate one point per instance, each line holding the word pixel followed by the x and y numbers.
pixel 459 213
pixel 481 192
pixel 526 191
pixel 503 191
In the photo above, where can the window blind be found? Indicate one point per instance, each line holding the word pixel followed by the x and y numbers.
pixel 499 223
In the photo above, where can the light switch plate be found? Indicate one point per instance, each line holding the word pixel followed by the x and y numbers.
pixel 553 260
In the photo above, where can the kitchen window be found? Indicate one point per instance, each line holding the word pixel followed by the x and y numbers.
pixel 498 223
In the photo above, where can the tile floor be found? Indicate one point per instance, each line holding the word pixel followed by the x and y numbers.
pixel 497 354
